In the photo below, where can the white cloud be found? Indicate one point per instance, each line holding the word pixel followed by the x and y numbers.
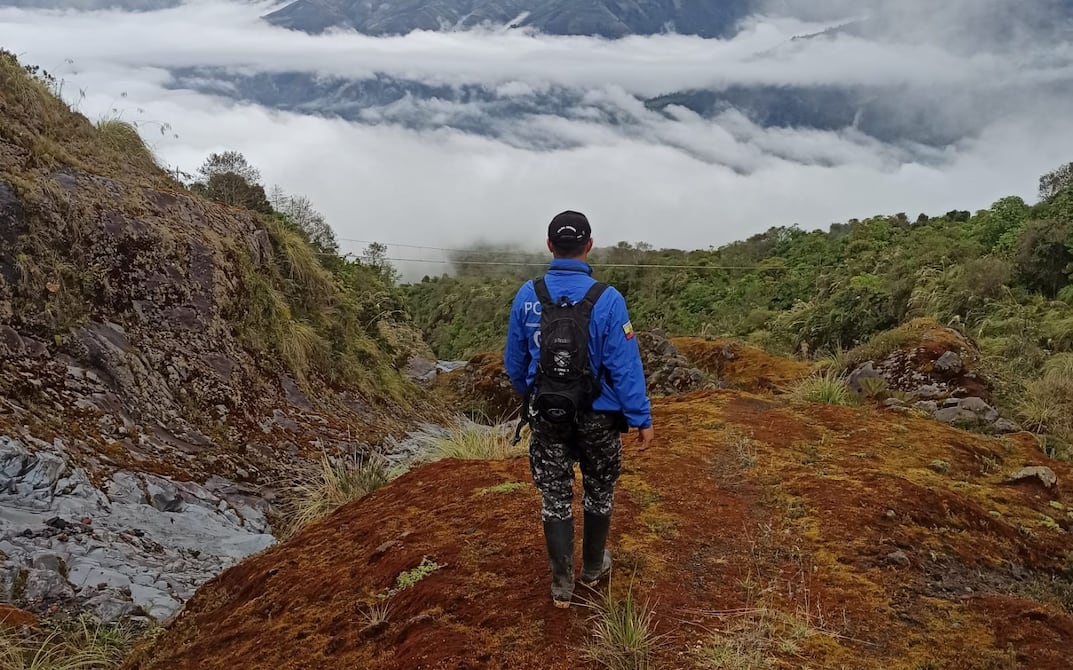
pixel 673 180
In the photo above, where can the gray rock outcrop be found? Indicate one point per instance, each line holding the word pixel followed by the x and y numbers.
pixel 138 544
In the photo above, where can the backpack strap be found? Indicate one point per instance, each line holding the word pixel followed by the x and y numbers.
pixel 541 288
pixel 589 301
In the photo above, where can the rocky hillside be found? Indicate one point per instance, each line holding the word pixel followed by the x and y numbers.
pixel 759 532
pixel 165 363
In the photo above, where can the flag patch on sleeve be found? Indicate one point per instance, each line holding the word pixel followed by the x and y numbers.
pixel 628 329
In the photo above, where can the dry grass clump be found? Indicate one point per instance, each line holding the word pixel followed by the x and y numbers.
pixel 754 639
pixel 38 120
pixel 85 644
pixel 301 262
pixel 327 486
pixel 743 445
pixel 124 138
pixel 467 440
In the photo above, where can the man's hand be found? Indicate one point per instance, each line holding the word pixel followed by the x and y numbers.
pixel 646 435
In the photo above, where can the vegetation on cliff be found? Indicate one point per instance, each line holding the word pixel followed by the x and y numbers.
pixel 294 298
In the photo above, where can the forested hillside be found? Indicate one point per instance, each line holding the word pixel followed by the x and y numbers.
pixel 1004 272
pixel 1001 275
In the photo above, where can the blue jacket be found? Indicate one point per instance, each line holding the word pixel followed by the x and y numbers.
pixel 612 344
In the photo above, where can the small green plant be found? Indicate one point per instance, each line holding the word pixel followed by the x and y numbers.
pixel 1048 522
pixel 623 632
pixel 875 388
pixel 506 487
pixel 407 579
pixel 940 466
pixel 467 440
pixel 323 488
pixel 825 388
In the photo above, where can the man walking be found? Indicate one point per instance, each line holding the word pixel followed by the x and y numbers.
pixel 571 352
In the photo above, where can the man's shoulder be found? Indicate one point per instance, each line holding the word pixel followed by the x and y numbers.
pixel 525 292
pixel 610 296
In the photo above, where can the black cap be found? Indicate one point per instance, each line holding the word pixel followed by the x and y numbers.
pixel 570 227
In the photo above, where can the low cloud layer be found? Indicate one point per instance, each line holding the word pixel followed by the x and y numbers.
pixel 672 178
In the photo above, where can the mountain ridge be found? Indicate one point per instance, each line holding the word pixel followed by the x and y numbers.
pixel 603 18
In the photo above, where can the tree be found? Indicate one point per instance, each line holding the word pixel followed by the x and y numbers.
pixel 999 227
pixel 375 256
pixel 229 162
pixel 1044 258
pixel 230 189
pixel 1053 183
pixel 229 179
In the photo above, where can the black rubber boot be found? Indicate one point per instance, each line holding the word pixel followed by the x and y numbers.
pixel 559 536
pixel 597 557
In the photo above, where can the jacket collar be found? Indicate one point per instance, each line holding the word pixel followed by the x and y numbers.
pixel 569 265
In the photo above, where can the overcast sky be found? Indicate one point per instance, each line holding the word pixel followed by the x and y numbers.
pixel 681 181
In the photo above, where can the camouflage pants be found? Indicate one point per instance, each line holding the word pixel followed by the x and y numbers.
pixel 596 444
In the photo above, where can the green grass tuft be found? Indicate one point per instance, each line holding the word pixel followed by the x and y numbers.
pixel 623 632
pixel 1046 407
pixel 827 388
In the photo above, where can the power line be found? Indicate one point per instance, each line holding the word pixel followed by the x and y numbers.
pixel 412 246
pixel 494 254
pixel 595 265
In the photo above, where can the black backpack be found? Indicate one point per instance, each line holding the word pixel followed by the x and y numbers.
pixel 565 385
